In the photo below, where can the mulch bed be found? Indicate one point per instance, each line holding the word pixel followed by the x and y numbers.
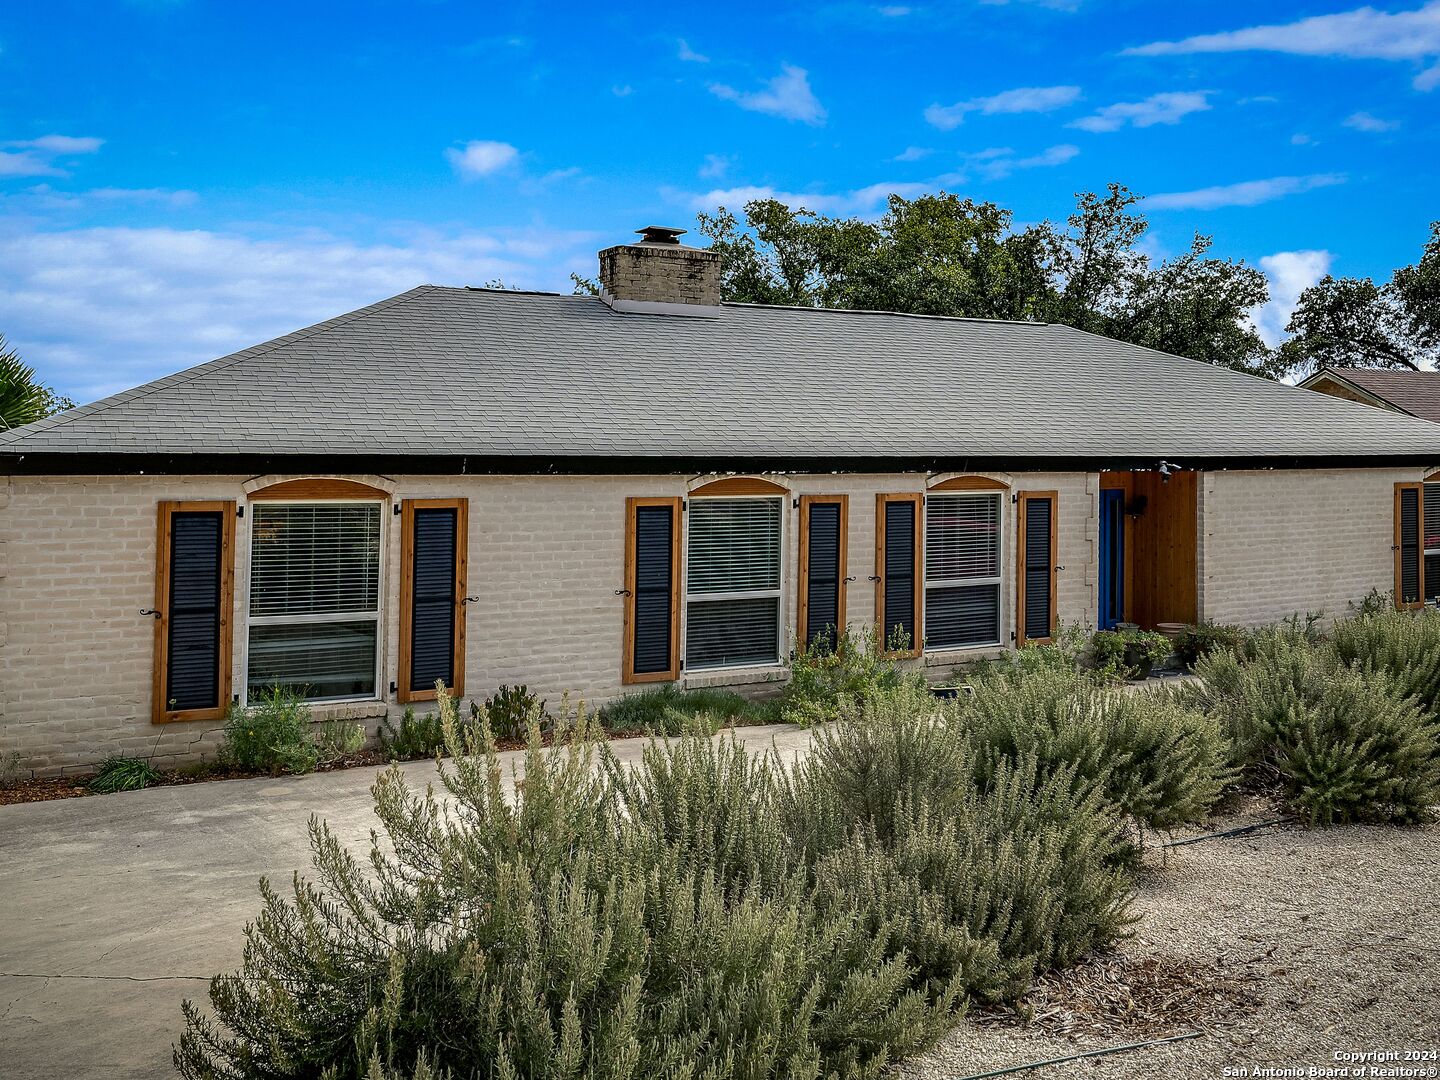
pixel 74 786
pixel 1115 995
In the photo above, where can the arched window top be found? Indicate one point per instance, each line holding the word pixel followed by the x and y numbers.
pixel 318 487
pixel 739 485
pixel 969 482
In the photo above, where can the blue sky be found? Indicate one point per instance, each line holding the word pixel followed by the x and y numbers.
pixel 179 179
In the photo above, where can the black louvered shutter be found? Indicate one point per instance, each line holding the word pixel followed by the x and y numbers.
pixel 822 589
pixel 1410 545
pixel 654 580
pixel 193 649
pixel 433 600
pixel 900 573
pixel 1039 604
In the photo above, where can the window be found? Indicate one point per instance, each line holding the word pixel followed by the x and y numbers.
pixel 732 582
pixel 314 599
pixel 962 570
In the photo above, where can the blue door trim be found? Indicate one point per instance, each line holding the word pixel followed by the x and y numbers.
pixel 1112 558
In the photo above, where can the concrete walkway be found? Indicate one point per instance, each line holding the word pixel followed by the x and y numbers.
pixel 157 886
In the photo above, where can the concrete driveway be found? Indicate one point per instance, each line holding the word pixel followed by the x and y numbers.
pixel 114 909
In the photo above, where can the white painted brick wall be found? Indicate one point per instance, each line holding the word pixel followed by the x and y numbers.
pixel 77 565
pixel 1277 543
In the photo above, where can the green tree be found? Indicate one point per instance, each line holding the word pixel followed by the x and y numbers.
pixel 941 254
pixel 1353 322
pixel 22 399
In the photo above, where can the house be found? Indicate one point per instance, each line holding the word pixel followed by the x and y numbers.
pixel 1416 393
pixel 596 494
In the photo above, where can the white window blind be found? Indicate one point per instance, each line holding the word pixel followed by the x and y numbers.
pixel 962 570
pixel 732 582
pixel 314 599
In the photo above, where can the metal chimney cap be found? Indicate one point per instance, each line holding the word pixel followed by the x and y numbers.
pixel 660 234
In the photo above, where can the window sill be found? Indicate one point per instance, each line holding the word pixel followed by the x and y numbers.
pixel 348 710
pixel 736 676
pixel 951 657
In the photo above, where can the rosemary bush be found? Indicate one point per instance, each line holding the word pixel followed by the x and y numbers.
pixel 1404 644
pixel 713 913
pixel 1348 740
pixel 1156 760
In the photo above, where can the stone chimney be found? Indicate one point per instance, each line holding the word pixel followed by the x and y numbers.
pixel 661 276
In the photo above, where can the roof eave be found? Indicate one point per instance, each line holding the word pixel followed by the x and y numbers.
pixel 93 464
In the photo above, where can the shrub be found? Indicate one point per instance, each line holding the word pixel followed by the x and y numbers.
pixel 416 736
pixel 607 922
pixel 337 739
pixel 272 735
pixel 122 774
pixel 1404 644
pixel 10 770
pixel 583 929
pixel 509 710
pixel 981 876
pixel 1068 651
pixel 1347 742
pixel 668 710
pixel 826 681
pixel 1362 752
pixel 1157 760
pixel 1202 639
pixel 1128 654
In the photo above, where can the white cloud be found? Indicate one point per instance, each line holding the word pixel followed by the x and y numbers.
pixel 1248 193
pixel 61 145
pixel 788 95
pixel 622 91
pixel 1024 99
pixel 480 157
pixel 1363 121
pixel 861 200
pixel 913 153
pixel 35 157
pixel 97 310
pixel 26 163
pixel 997 163
pixel 1364 33
pixel 689 55
pixel 894 11
pixel 716 166
pixel 1167 108
pixel 1290 273
pixel 45 197
pixel 1301 139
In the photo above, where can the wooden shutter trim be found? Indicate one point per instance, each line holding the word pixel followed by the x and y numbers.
pixel 1024 499
pixel 628 675
pixel 918 578
pixel 803 614
pixel 404 694
pixel 1419 490
pixel 159 712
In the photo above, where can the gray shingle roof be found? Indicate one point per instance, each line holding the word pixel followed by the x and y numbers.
pixel 484 373
pixel 1414 392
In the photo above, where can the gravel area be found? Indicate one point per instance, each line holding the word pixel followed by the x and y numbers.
pixel 1337 932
